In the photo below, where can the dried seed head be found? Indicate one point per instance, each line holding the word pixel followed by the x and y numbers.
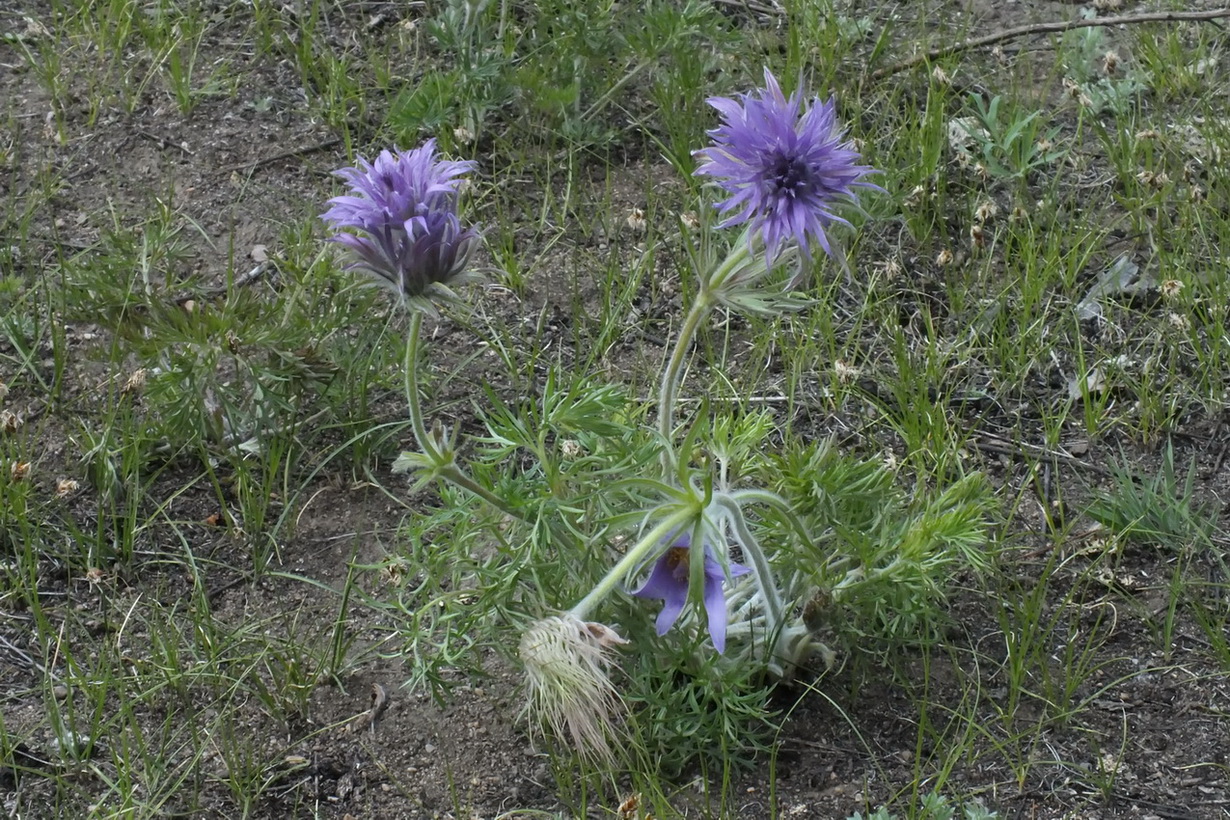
pixel 395 571
pixel 19 471
pixel 571 449
pixel 463 135
pixel 10 422
pixel 1172 288
pixel 135 383
pixel 940 76
pixel 1148 134
pixel 566 661
pixel 944 258
pixel 636 220
pixel 34 29
pixel 891 268
pixel 977 236
pixel 1153 180
pixel 690 220
pixel 1179 322
pixel 845 372
pixel 1019 214
pixel 1110 63
pixel 66 487
pixel 985 211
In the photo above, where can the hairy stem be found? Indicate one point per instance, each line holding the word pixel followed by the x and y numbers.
pixel 669 391
pixel 706 300
pixel 775 610
pixel 412 387
pixel 442 460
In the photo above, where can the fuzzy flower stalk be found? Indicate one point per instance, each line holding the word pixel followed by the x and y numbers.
pixel 786 169
pixel 400 225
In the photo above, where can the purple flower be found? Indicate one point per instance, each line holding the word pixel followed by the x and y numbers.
pixel 785 168
pixel 668 581
pixel 399 185
pixel 403 209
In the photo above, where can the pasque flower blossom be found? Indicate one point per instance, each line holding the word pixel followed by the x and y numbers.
pixel 669 581
pixel 785 167
pixel 403 209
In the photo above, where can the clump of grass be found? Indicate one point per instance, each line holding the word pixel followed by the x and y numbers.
pixel 1159 510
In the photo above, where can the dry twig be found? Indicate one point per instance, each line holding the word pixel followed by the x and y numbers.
pixel 991 443
pixel 293 153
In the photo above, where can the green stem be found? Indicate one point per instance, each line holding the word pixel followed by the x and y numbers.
pixel 775 610
pixel 671 376
pixel 740 497
pixel 412 387
pixel 704 304
pixel 443 463
pixel 730 265
pixel 641 551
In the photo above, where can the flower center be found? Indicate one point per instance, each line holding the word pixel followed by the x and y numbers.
pixel 789 172
pixel 677 558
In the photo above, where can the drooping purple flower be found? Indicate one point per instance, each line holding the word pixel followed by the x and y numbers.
pixel 403 211
pixel 786 168
pixel 668 581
